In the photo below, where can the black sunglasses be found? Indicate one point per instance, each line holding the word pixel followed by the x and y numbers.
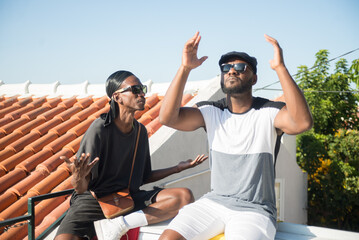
pixel 135 89
pixel 239 67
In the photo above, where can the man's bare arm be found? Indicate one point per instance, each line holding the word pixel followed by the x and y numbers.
pixel 295 117
pixel 171 113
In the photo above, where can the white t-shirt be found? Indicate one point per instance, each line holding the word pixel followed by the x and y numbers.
pixel 242 155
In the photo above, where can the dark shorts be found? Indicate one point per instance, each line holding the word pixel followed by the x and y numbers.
pixel 84 210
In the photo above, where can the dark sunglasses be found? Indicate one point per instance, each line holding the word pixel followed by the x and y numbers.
pixel 239 67
pixel 135 89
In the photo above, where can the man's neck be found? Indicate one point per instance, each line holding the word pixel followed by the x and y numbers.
pixel 240 103
pixel 124 122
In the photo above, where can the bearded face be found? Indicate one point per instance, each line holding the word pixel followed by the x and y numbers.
pixel 237 81
pixel 235 84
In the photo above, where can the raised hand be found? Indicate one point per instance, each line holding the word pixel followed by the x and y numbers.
pixel 191 163
pixel 189 54
pixel 277 60
pixel 81 169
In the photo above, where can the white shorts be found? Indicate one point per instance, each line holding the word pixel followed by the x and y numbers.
pixel 205 219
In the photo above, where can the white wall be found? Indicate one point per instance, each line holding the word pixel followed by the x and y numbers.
pixel 295 182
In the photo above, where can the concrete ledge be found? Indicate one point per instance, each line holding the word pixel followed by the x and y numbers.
pixel 285 231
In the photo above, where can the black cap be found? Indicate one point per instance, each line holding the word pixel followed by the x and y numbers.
pixel 252 61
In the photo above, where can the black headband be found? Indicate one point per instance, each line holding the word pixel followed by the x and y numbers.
pixel 113 83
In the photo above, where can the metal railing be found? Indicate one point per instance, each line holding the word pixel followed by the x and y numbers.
pixel 30 217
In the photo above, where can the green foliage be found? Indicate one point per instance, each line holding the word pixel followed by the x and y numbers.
pixel 329 153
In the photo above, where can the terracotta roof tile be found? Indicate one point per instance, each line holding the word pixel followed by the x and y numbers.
pixel 12 178
pixel 16 209
pixel 21 143
pixel 54 161
pixel 100 103
pixel 14 233
pixel 6 140
pixel 40 143
pixel 52 113
pixel 20 111
pixel 11 126
pixel 65 126
pixel 6 102
pixel 186 98
pixel 59 143
pixel 153 126
pixel 74 145
pixel 25 129
pixel 30 163
pixel 44 128
pixel 84 114
pixel 6 153
pixel 146 119
pixel 67 103
pixel 2 172
pixel 34 113
pixel 31 147
pixel 52 217
pixel 81 128
pixel 84 102
pixel 51 181
pixel 52 102
pixel 10 163
pixel 28 182
pixel 154 111
pixel 6 199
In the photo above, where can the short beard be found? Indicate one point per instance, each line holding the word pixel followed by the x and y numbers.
pixel 242 88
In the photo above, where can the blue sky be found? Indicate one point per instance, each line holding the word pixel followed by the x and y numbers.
pixel 73 41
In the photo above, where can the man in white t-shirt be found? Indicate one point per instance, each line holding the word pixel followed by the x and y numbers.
pixel 242 132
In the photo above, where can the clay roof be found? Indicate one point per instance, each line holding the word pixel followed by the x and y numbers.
pixel 34 133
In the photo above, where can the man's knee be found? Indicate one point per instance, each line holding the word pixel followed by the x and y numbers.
pixel 185 196
pixel 169 234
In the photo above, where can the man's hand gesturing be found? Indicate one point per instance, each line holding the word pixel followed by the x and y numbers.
pixel 81 169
